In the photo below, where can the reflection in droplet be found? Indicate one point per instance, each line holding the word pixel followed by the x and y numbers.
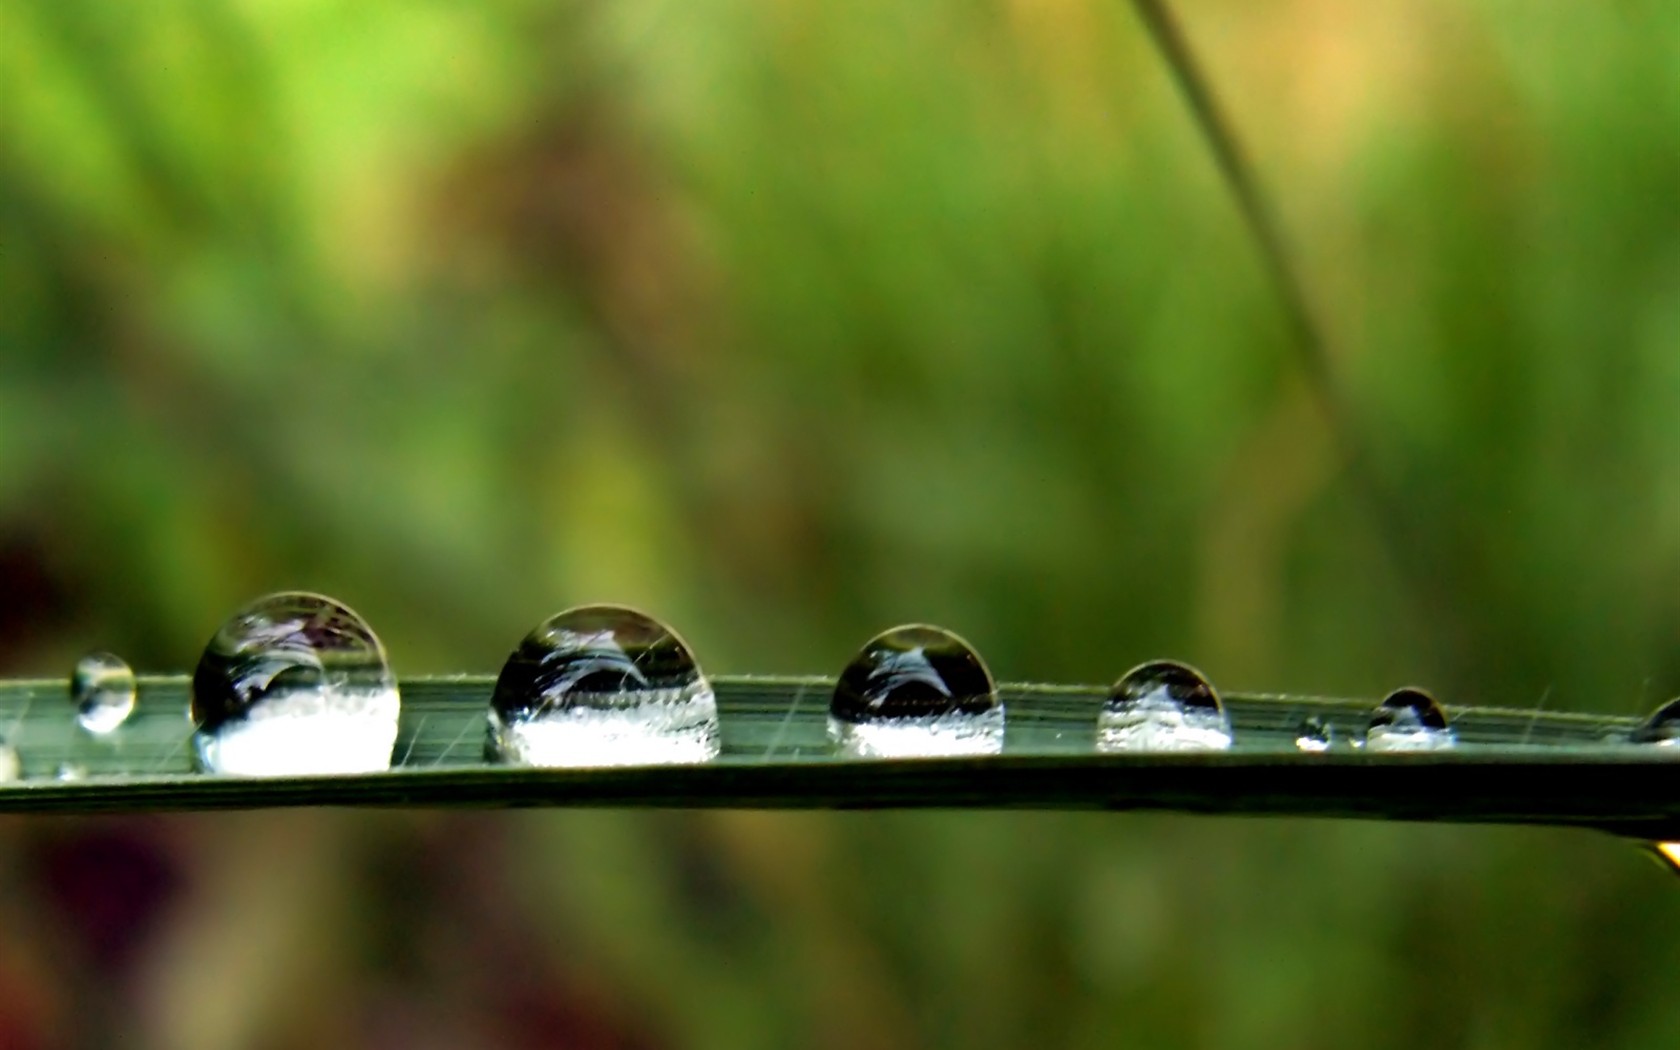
pixel 1409 719
pixel 916 691
pixel 602 685
pixel 1668 853
pixel 1163 705
pixel 1662 728
pixel 102 688
pixel 1314 734
pixel 295 684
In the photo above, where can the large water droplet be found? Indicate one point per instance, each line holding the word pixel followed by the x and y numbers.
pixel 11 767
pixel 1163 705
pixel 102 688
pixel 602 685
pixel 295 684
pixel 1662 728
pixel 916 692
pixel 1314 734
pixel 1409 719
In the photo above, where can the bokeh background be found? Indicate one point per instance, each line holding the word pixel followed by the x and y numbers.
pixel 788 320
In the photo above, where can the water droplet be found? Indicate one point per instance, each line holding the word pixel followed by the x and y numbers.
pixel 1662 728
pixel 102 688
pixel 916 692
pixel 1668 855
pixel 1163 705
pixel 70 771
pixel 1315 734
pixel 1409 719
pixel 294 684
pixel 11 767
pixel 602 685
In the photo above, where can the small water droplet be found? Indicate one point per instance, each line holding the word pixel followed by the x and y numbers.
pixel 294 684
pixel 70 771
pixel 102 688
pixel 1163 705
pixel 916 692
pixel 1662 728
pixel 1315 734
pixel 602 685
pixel 1409 719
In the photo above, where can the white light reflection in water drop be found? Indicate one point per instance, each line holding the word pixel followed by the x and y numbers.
pixel 1314 735
pixel 295 684
pixel 1163 705
pixel 602 685
pixel 103 690
pixel 1662 728
pixel 1669 854
pixel 1409 719
pixel 916 691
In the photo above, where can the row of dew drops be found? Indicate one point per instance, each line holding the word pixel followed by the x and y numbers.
pixel 298 684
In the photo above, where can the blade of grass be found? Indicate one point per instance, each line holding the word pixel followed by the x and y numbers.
pixel 1309 335
pixel 1574 770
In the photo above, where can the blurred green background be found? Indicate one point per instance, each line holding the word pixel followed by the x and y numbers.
pixel 788 321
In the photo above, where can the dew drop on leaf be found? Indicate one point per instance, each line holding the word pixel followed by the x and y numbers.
pixel 1662 728
pixel 1163 705
pixel 102 688
pixel 602 685
pixel 295 684
pixel 1409 719
pixel 916 692
pixel 1668 855
pixel 1314 734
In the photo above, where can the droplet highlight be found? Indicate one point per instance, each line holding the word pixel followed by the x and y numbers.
pixel 1662 728
pixel 1314 734
pixel 295 684
pixel 916 691
pixel 1409 719
pixel 11 766
pixel 602 685
pixel 1163 705
pixel 1668 855
pixel 102 688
